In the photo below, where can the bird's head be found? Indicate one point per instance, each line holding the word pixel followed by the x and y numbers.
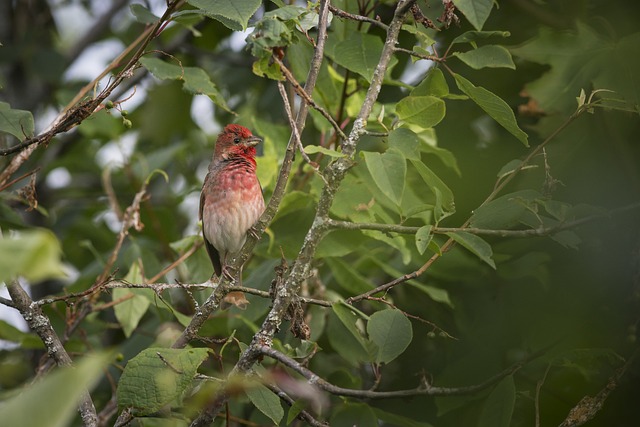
pixel 236 141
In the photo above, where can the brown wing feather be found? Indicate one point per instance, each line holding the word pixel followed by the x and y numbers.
pixel 214 256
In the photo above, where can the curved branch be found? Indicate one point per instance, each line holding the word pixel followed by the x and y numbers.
pixel 424 389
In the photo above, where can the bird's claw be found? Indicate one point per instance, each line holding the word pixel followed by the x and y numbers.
pixel 253 232
pixel 228 274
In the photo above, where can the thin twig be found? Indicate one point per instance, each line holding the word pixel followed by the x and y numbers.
pixel 296 134
pixel 179 261
pixel 539 385
pixel 20 178
pixel 434 58
pixel 359 18
pixel 307 97
pixel 541 231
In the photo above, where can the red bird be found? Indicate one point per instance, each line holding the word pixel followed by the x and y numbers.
pixel 231 200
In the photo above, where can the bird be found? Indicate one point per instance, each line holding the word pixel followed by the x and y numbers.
pixel 231 201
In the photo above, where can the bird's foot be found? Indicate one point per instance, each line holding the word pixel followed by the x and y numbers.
pixel 230 273
pixel 253 232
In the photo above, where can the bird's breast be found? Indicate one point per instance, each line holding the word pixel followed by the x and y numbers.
pixel 233 202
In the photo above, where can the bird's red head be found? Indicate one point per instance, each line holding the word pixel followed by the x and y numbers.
pixel 236 141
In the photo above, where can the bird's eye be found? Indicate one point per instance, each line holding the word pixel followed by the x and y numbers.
pixel 236 140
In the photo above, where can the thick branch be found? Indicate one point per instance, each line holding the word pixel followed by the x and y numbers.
pixel 589 406
pixel 205 309
pixel 41 325
pixel 284 294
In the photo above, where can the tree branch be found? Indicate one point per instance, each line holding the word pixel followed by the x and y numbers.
pixel 359 18
pixel 588 407
pixel 159 288
pixel 500 184
pixel 77 111
pixel 424 389
pixel 307 97
pixel 434 58
pixel 265 219
pixel 540 231
pixel 41 325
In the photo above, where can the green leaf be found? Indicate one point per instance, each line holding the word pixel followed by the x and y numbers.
pixel 434 84
pixel 18 123
pixel 580 59
pixel 295 410
pixel 399 243
pixel 505 211
pixel 10 333
pixel 398 420
pixel 476 245
pixel 266 401
pixel 511 167
pixel 494 106
pixel 162 69
pixel 133 302
pixel 34 255
pixel 491 56
pixel 143 15
pixel 406 141
pixel 360 53
pixel 314 149
pixel 498 408
pixel 232 13
pixel 476 11
pixel 445 205
pixel 344 336
pixel 567 238
pixel 195 80
pixel 53 401
pixel 473 36
pixel 436 294
pixel 423 111
pixel 589 362
pixel 158 377
pixel 353 414
pixel 389 171
pixel 423 237
pixel 349 279
pixel 392 333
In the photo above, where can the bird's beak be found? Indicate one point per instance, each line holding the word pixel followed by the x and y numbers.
pixel 253 140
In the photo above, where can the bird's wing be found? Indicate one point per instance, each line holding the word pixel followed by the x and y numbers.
pixel 211 250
